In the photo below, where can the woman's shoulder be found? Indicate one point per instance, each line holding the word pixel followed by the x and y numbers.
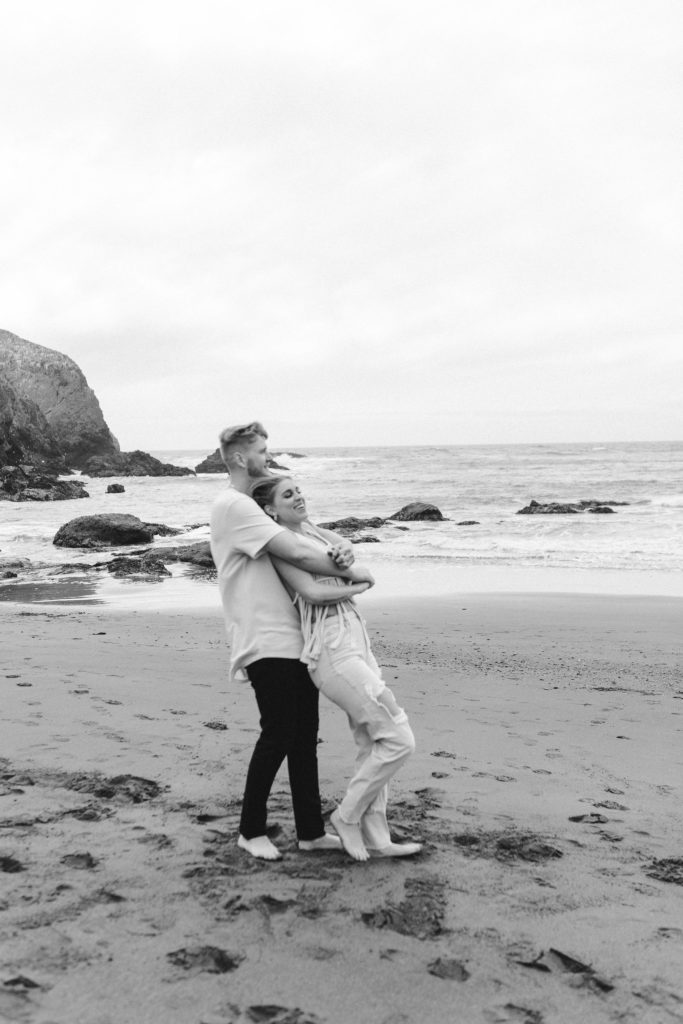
pixel 310 530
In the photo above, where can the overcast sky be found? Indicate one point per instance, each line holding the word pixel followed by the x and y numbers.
pixel 362 222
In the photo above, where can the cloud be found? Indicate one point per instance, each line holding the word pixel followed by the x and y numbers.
pixel 417 207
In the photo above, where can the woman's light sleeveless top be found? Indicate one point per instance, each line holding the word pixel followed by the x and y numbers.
pixel 315 618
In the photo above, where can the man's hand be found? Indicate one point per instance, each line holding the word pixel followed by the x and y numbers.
pixel 342 554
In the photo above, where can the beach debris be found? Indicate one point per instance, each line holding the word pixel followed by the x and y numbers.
pixel 116 489
pixel 511 1012
pixel 271 1014
pixel 452 970
pixel 593 818
pixel 215 725
pixel 507 846
pixel 440 775
pixel 10 865
pixel 82 861
pixel 555 961
pixel 443 753
pixel 420 914
pixel 20 983
pixel 611 805
pixel 667 869
pixel 468 522
pixel 130 788
pixel 209 959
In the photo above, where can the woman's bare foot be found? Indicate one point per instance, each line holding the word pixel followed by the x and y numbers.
pixel 395 850
pixel 350 836
pixel 260 846
pixel 324 842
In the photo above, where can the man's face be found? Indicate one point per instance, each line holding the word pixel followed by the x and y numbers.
pixel 256 457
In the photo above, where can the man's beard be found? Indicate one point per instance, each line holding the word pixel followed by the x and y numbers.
pixel 255 472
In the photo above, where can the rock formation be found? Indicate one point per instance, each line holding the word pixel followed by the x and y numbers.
pixel 198 554
pixel 26 483
pixel 350 526
pixel 131 464
pixel 107 530
pixel 550 508
pixel 54 384
pixel 214 464
pixel 25 435
pixel 418 510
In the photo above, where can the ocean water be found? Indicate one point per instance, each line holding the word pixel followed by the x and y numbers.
pixel 638 549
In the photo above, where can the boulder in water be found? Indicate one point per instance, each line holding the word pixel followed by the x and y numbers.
pixel 418 511
pixel 106 530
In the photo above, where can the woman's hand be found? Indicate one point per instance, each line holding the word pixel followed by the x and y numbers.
pixel 342 554
pixel 361 574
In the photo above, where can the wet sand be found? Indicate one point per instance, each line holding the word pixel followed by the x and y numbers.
pixel 545 787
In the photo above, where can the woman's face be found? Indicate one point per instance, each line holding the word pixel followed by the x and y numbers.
pixel 288 505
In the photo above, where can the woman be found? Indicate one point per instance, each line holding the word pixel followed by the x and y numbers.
pixel 342 666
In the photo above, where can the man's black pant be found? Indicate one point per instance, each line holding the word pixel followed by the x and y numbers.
pixel 288 703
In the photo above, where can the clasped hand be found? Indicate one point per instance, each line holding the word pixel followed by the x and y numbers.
pixel 342 554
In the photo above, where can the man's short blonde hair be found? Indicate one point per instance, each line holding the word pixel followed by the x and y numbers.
pixel 239 437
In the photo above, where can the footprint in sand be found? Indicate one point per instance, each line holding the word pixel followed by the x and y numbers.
pixel 82 861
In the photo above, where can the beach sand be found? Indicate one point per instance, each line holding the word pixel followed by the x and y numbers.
pixel 545 787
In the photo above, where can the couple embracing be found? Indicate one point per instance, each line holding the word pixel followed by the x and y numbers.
pixel 287 589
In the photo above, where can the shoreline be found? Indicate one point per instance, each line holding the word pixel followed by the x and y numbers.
pixel 544 787
pixel 394 582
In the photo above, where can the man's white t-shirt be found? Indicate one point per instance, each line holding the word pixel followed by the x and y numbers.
pixel 260 619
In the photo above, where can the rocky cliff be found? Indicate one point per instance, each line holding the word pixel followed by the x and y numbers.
pixel 25 434
pixel 49 396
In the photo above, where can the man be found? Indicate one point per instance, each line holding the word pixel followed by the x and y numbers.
pixel 265 639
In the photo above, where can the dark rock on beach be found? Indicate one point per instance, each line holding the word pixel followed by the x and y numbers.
pixel 105 530
pixel 147 565
pixel 351 525
pixel 14 564
pixel 418 510
pixel 196 554
pixel 115 489
pixel 214 463
pixel 536 508
pixel 135 463
pixel 211 464
pixel 28 483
